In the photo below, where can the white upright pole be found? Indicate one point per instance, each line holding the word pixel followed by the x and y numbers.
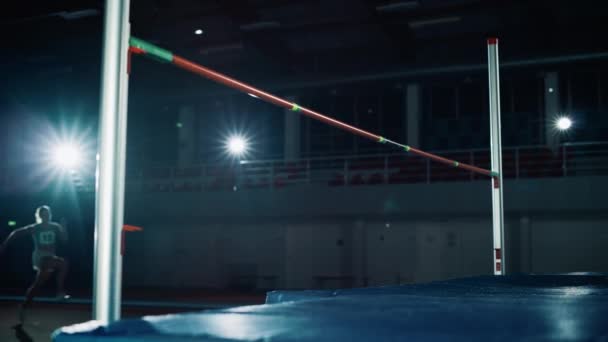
pixel 109 208
pixel 496 156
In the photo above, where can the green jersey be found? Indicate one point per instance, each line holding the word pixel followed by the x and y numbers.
pixel 45 236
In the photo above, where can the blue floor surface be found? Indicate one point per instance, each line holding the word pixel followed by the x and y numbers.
pixel 510 308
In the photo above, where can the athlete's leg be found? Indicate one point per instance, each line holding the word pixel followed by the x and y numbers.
pixel 61 266
pixel 42 276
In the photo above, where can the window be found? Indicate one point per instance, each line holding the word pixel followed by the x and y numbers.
pixel 472 99
pixel 583 92
pixel 394 114
pixel 320 133
pixel 343 142
pixel 368 110
pixel 506 97
pixel 526 92
pixel 444 102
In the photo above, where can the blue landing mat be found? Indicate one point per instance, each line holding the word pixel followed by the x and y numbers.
pixel 521 307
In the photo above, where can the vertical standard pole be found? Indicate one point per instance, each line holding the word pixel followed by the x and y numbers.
pixel 121 153
pixel 496 156
pixel 110 170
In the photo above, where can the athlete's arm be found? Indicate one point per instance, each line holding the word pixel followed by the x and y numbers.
pixel 17 233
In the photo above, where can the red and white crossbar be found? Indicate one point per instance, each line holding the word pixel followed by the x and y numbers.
pixel 138 46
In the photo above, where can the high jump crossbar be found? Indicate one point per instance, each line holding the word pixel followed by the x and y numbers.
pixel 142 47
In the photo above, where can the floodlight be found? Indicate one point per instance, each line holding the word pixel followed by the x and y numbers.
pixel 66 156
pixel 236 145
pixel 563 123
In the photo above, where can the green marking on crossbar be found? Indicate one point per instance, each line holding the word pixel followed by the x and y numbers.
pixel 381 140
pixel 152 50
pixel 494 174
pixel 456 164
pixel 407 148
pixel 295 107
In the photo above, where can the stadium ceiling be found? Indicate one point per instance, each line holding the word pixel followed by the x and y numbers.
pixel 298 37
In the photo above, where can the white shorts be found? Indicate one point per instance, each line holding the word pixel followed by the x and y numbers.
pixel 37 258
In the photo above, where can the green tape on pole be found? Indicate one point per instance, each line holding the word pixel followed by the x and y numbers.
pixel 295 108
pixel 152 50
pixel 407 148
pixel 381 140
pixel 456 164
pixel 494 174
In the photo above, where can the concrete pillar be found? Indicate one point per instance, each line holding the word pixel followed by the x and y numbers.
pixel 412 97
pixel 291 140
pixel 552 107
pixel 187 136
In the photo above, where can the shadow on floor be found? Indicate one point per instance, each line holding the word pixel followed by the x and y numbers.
pixel 21 334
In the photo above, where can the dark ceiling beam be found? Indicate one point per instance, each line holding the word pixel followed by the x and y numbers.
pixel 265 41
pixel 403 74
pixel 24 13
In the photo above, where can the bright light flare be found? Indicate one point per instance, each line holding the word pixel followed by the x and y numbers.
pixel 236 145
pixel 563 123
pixel 67 156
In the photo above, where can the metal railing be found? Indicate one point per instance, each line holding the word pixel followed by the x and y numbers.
pixel 566 160
pixel 519 162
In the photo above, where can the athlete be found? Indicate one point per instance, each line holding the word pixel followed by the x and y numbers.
pixel 46 235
